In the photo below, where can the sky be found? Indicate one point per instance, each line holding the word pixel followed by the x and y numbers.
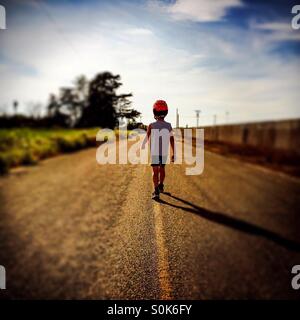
pixel 235 60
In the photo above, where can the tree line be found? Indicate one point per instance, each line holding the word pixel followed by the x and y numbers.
pixel 87 103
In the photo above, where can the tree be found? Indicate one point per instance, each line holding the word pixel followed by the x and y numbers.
pixel 92 103
pixel 104 106
pixel 53 105
pixel 69 105
pixel 55 115
pixel 15 106
pixel 100 109
pixel 124 110
pixel 73 100
pixel 81 92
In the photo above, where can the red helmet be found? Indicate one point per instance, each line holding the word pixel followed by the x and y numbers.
pixel 160 108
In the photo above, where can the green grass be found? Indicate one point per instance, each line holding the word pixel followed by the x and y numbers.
pixel 28 146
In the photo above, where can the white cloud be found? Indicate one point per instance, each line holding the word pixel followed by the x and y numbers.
pixel 197 10
pixel 279 31
pixel 274 26
pixel 139 32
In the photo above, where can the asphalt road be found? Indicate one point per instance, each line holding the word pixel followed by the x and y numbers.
pixel 72 229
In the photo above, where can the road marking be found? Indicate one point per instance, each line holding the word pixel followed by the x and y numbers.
pixel 162 255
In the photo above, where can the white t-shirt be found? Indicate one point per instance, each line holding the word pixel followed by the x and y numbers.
pixel 161 131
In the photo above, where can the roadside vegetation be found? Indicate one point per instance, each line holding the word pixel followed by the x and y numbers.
pixel 27 146
pixel 67 123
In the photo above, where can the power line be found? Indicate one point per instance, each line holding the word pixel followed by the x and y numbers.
pixel 59 30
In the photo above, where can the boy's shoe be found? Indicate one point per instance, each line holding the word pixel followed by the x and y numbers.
pixel 161 187
pixel 155 194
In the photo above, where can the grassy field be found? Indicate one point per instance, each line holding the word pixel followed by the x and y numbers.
pixel 28 146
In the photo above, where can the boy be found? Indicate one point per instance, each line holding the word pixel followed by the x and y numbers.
pixel 160 134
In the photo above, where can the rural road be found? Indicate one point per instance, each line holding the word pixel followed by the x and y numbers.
pixel 70 228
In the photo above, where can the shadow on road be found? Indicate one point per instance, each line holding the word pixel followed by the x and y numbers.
pixel 233 223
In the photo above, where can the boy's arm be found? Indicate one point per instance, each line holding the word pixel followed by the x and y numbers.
pixel 172 146
pixel 147 136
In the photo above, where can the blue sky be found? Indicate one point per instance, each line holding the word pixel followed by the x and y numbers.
pixel 235 56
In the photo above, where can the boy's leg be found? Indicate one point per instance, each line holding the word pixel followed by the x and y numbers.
pixel 155 176
pixel 161 178
pixel 162 174
pixel 155 194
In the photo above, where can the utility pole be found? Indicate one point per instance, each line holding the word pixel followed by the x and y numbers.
pixel 197 117
pixel 177 118
pixel 215 120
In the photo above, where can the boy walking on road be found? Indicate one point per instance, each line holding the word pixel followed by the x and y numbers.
pixel 159 133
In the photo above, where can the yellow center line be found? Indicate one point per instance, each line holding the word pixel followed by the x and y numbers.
pixel 162 255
